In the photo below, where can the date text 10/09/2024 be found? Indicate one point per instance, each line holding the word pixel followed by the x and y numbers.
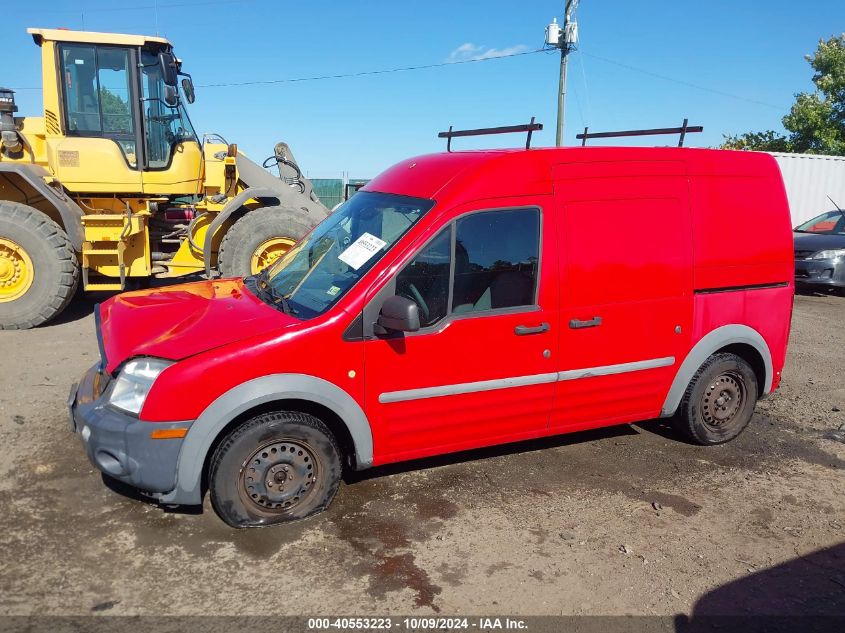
pixel 416 624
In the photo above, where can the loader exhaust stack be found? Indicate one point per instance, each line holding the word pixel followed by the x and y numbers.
pixel 10 141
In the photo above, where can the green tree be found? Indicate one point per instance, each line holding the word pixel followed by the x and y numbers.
pixel 816 122
pixel 115 112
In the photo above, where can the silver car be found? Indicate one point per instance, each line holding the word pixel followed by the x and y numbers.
pixel 820 251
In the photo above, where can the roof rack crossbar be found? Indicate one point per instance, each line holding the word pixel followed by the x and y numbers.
pixel 683 131
pixel 506 129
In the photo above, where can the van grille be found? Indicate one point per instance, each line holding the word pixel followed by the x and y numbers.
pixel 803 254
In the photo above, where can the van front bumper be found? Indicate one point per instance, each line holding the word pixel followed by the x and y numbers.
pixel 119 444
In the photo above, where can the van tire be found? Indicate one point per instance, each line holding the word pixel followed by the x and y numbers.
pixel 255 227
pixel 719 401
pixel 275 468
pixel 55 269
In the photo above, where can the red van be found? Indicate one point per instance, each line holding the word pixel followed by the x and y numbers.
pixel 458 300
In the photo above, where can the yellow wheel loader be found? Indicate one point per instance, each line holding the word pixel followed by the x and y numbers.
pixel 112 185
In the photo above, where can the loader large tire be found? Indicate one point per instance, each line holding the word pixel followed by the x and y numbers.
pixel 259 238
pixel 39 272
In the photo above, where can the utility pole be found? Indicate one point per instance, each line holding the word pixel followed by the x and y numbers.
pixel 565 39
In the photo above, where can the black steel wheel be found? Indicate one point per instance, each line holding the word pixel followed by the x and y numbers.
pixel 722 400
pixel 279 475
pixel 719 401
pixel 276 467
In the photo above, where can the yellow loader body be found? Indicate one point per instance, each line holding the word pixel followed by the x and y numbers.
pixel 128 187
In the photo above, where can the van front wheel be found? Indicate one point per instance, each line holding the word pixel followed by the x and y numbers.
pixel 276 467
pixel 719 401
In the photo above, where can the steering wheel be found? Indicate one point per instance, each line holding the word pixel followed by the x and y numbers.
pixel 418 299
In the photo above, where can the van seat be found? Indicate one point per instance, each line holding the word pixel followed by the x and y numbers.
pixel 508 289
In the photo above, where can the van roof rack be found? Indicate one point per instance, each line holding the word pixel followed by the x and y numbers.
pixel 683 131
pixel 506 129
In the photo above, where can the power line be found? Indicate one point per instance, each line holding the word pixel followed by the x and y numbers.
pixel 469 61
pixel 356 74
pixel 201 3
pixel 683 82
pixel 368 72
pixel 584 80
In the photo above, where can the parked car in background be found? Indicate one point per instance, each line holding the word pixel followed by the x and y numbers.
pixel 820 251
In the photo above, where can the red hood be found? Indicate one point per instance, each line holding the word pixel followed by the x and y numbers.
pixel 180 321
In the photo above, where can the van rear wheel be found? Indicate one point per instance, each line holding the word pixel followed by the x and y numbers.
pixel 275 468
pixel 719 401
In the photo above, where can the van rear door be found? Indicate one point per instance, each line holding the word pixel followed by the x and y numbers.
pixel 625 240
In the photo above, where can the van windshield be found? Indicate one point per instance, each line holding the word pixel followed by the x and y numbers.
pixel 321 269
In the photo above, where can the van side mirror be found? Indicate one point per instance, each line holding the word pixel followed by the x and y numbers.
pixel 398 314
pixel 167 62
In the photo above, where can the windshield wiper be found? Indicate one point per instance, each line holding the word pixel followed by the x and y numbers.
pixel 273 296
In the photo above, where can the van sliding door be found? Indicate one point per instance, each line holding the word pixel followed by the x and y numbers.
pixel 626 289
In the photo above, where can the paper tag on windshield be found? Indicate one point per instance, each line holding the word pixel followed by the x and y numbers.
pixel 361 250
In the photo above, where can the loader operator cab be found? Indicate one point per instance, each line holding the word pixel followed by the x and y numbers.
pixel 112 186
pixel 128 95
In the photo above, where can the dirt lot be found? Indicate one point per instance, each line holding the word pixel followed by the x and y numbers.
pixel 622 521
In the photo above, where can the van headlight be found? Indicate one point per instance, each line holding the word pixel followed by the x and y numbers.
pixel 831 254
pixel 134 382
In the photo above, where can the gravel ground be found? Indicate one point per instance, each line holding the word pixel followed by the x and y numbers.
pixel 628 520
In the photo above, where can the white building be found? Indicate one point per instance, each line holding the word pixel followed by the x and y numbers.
pixel 809 180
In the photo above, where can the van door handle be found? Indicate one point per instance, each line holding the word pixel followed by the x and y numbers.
pixel 577 324
pixel 524 330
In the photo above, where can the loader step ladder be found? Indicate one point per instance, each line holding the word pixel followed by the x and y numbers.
pixel 106 236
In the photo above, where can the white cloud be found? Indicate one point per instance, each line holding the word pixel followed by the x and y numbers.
pixel 469 51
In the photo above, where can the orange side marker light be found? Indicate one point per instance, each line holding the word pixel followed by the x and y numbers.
pixel 168 434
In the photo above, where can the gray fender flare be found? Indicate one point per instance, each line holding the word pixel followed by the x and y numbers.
pixel 252 393
pixel 259 193
pixel 70 213
pixel 706 347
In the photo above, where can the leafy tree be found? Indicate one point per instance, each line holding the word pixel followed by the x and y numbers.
pixel 769 141
pixel 816 122
pixel 115 112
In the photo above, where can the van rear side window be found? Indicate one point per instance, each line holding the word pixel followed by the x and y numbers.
pixel 495 265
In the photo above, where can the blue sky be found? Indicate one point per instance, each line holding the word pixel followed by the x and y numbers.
pixel 730 66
